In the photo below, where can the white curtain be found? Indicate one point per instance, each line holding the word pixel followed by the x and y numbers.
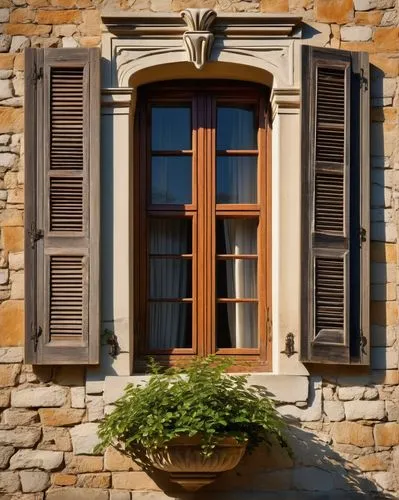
pixel 168 279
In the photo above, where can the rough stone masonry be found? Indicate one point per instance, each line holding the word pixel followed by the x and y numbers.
pixel 348 439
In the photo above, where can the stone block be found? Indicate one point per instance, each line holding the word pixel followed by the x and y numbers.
pixel 82 464
pixel 4 275
pixel 64 30
pixel 27 30
pixel 20 437
pixel 314 410
pixel 119 495
pixel 36 459
pixel 376 461
pixel 384 313
pixel 6 452
pixel 353 434
pixel 34 481
pixel 9 482
pixel 76 494
pixel 6 62
pixel 17 285
pixel 350 393
pixel 55 439
pixel 9 374
pixel 387 434
pixel 116 461
pixel 386 39
pixel 19 43
pixel 78 397
pixel 22 15
pixel 383 293
pixel 89 41
pixel 371 18
pixel 388 65
pixel 91 25
pixel 84 438
pixel 373 4
pixel 6 91
pixel 5 42
pixel 16 416
pixel 364 410
pixel 370 393
pixel 339 12
pixel 272 6
pixel 5 395
pixel 56 417
pixel 39 396
pixel 356 33
pixel 133 481
pixel 58 16
pixel 11 323
pixel 15 196
pixel 11 120
pixel 95 408
pixel 98 480
pixel 386 480
pixel 16 260
pixel 392 408
pixel 61 479
pixel 11 217
pixel 13 238
pixel 382 252
pixel 334 410
pixel 68 42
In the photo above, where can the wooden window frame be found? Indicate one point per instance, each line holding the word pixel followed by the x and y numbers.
pixel 203 212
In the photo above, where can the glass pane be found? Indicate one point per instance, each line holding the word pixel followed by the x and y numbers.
pixel 170 278
pixel 171 180
pixel 170 325
pixel 236 279
pixel 237 325
pixel 236 236
pixel 170 236
pixel 236 179
pixel 171 128
pixel 236 128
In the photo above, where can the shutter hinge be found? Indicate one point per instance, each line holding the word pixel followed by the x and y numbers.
pixel 289 345
pixel 38 74
pixel 362 235
pixel 363 342
pixel 364 83
pixel 34 235
pixel 36 333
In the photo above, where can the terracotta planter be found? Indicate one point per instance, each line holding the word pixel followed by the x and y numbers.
pixel 188 467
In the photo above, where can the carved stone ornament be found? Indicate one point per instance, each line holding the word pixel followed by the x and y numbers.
pixel 198 39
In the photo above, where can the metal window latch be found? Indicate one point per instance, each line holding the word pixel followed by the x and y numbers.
pixel 34 235
pixel 289 345
pixel 36 333
pixel 363 80
pixel 362 235
pixel 38 74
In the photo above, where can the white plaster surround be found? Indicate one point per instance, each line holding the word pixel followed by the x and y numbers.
pixel 138 49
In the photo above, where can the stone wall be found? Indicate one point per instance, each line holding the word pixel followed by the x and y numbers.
pixel 345 438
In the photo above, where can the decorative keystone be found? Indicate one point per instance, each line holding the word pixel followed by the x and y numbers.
pixel 198 40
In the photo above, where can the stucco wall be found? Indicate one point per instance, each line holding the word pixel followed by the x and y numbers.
pixel 346 435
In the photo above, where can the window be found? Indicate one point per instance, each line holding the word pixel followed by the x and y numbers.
pixel 202 222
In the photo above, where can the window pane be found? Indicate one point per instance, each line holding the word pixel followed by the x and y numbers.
pixel 236 128
pixel 171 180
pixel 170 325
pixel 236 279
pixel 237 325
pixel 170 278
pixel 236 179
pixel 170 236
pixel 171 128
pixel 236 236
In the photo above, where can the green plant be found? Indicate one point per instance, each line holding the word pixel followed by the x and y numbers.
pixel 198 400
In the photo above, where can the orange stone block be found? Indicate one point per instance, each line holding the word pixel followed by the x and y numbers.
pixel 19 62
pixel 133 481
pixel 6 61
pixel 387 434
pixel 389 65
pixel 116 461
pixel 60 479
pixel 383 252
pixel 11 323
pixel 23 15
pixel 377 461
pixel 353 433
pixel 11 120
pixel 27 29
pixel 89 41
pixel 372 17
pixel 56 417
pixel 83 463
pixel 38 3
pixel 179 5
pixel 339 11
pixel 58 16
pixel 13 238
pixel 384 313
pixel 359 46
pixel 99 480
pixel 386 39
pixel 274 6
pixel 66 4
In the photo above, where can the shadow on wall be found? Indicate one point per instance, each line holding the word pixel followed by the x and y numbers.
pixel 315 472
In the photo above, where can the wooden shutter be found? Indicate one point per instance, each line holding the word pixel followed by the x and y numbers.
pixel 62 206
pixel 335 206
